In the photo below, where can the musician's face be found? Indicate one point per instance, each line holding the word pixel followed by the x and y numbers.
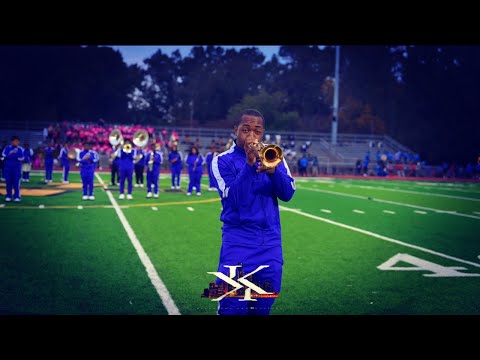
pixel 249 130
pixel 194 151
pixel 15 142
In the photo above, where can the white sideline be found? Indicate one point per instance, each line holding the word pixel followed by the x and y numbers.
pixel 378 236
pixel 391 202
pixel 151 272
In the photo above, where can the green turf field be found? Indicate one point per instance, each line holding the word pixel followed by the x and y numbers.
pixel 350 247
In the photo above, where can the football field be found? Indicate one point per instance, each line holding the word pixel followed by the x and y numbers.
pixel 356 246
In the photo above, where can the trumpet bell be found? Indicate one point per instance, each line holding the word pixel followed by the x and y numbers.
pixel 127 148
pixel 271 155
pixel 140 138
pixel 115 137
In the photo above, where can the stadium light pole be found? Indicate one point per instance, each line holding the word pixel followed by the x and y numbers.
pixel 335 95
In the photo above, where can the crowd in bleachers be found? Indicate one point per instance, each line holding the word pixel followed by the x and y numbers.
pixel 302 156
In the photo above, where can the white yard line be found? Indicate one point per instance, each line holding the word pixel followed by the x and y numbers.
pixel 391 202
pixel 358 211
pixel 378 236
pixel 389 212
pixel 417 192
pixel 151 272
pixel 419 212
pixel 326 211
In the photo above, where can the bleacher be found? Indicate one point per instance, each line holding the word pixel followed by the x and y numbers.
pixel 341 157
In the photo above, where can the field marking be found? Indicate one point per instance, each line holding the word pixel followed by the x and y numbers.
pixel 41 206
pixel 189 208
pixel 2 205
pixel 396 189
pixel 477 212
pixel 366 232
pixel 79 207
pixel 358 211
pixel 110 206
pixel 419 212
pixel 326 211
pixel 151 271
pixel 154 208
pixel 391 202
pixel 388 212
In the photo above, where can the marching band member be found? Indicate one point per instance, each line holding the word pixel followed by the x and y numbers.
pixel 65 161
pixel 88 162
pixel 175 160
pixel 153 160
pixel 139 167
pixel 126 155
pixel 27 163
pixel 49 163
pixel 13 157
pixel 208 159
pixel 195 170
pixel 115 161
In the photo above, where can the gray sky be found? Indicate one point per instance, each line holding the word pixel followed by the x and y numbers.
pixel 135 53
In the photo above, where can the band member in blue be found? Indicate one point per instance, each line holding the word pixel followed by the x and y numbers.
pixel 175 160
pixel 195 171
pixel 88 162
pixel 65 161
pixel 251 232
pixel 127 156
pixel 153 160
pixel 115 160
pixel 49 163
pixel 13 157
pixel 27 163
pixel 208 159
pixel 139 167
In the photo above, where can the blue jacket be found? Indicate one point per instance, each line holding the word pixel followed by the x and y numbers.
pixel 63 157
pixel 27 156
pixel 13 160
pixel 141 162
pixel 250 212
pixel 209 157
pixel 126 159
pixel 49 155
pixel 89 164
pixel 157 160
pixel 175 155
pixel 194 163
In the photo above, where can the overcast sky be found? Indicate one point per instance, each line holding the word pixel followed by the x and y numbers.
pixel 136 53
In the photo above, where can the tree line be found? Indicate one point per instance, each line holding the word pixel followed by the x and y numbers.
pixel 424 96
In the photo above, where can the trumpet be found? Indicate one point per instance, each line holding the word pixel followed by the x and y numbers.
pixel 127 148
pixel 150 162
pixel 270 155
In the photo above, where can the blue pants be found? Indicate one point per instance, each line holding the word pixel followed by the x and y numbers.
pixel 66 170
pixel 126 174
pixel 152 180
pixel 12 176
pixel 251 257
pixel 195 177
pixel 211 178
pixel 87 181
pixel 48 170
pixel 176 176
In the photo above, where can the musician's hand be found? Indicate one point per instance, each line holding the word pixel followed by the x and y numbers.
pixel 87 156
pixel 264 169
pixel 12 151
pixel 251 152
